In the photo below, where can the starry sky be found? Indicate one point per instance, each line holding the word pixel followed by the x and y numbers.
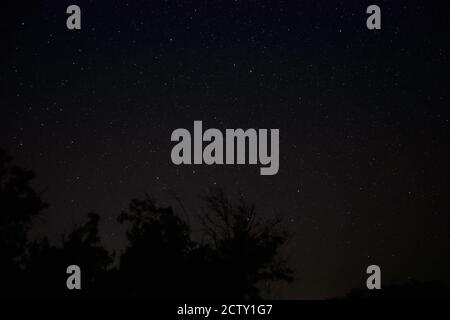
pixel 363 119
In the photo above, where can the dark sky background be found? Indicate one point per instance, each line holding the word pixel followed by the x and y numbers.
pixel 363 118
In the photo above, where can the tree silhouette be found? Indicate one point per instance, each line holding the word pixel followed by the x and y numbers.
pixel 162 260
pixel 154 264
pixel 237 253
pixel 19 204
pixel 244 249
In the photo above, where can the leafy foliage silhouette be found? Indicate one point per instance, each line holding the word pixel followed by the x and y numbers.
pixel 155 264
pixel 46 264
pixel 19 204
pixel 243 250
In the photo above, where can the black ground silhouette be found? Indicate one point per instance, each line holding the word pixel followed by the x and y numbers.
pixel 413 290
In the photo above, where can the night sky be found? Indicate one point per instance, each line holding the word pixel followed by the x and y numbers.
pixel 363 119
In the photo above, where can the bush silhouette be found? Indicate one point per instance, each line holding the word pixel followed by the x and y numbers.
pixel 46 264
